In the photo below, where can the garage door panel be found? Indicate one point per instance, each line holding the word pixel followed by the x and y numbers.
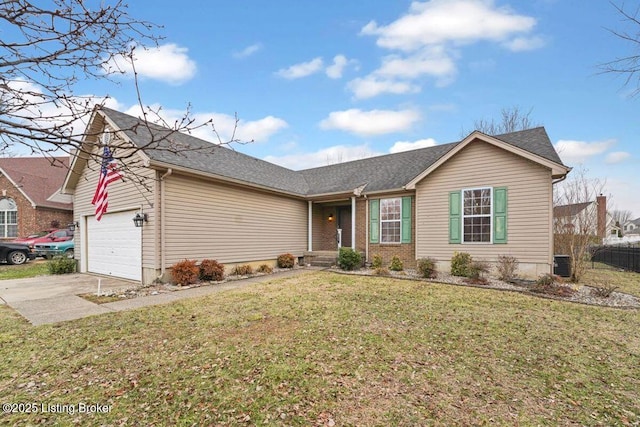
pixel 114 246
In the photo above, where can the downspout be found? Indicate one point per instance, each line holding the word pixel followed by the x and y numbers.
pixel 163 228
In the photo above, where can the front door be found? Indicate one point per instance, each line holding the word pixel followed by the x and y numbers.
pixel 344 223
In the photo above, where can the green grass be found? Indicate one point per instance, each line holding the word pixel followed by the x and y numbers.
pixel 602 274
pixel 321 347
pixel 29 269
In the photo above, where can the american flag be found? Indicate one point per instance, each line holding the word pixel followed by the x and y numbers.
pixel 108 174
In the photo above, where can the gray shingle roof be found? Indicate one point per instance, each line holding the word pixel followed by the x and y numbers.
pixel 387 172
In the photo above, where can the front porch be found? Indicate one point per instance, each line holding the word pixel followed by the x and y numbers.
pixel 332 225
pixel 321 258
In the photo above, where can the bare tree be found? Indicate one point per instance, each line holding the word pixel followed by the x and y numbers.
pixel 627 66
pixel 511 120
pixel 576 220
pixel 46 49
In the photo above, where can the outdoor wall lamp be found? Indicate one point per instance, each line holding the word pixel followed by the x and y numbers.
pixel 73 225
pixel 139 219
pixel 330 217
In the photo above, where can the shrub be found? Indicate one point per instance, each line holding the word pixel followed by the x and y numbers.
pixel 242 270
pixel 547 279
pixel 507 267
pixel 349 259
pixel 210 269
pixel 286 261
pixel 382 271
pixel 427 267
pixel 376 262
pixel 61 265
pixel 477 268
pixel 396 264
pixel 265 268
pixel 603 291
pixel 549 284
pixel 460 263
pixel 185 272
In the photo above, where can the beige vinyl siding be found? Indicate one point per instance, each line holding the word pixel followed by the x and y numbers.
pixel 128 195
pixel 483 165
pixel 205 219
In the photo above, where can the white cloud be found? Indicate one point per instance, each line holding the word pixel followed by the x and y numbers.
pixel 335 70
pixel 323 157
pixel 247 51
pixel 374 122
pixel 407 145
pixel 303 69
pixel 617 157
pixel 449 21
pixel 169 63
pixel 259 130
pixel 572 152
pixel 429 35
pixel 521 44
pixel 371 86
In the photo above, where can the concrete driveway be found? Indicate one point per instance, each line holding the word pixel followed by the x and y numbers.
pixel 49 299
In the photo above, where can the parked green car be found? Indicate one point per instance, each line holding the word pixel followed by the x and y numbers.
pixel 49 250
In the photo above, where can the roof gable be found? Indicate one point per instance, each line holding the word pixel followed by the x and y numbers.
pixel 38 178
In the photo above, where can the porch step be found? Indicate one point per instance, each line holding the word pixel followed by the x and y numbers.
pixel 321 258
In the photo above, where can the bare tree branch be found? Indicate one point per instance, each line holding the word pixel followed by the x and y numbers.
pixel 627 66
pixel 511 120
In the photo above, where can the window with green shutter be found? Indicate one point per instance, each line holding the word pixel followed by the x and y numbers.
pixel 390 220
pixel 478 215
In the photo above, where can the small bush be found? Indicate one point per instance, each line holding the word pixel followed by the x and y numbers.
pixel 507 267
pixel 396 264
pixel 242 270
pixel 427 267
pixel 549 284
pixel 460 263
pixel 265 268
pixel 382 271
pixel 477 268
pixel 286 261
pixel 61 265
pixel 185 272
pixel 603 291
pixel 376 262
pixel 349 259
pixel 210 269
pixel 547 279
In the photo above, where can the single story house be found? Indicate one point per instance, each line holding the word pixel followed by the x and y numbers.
pixel 30 199
pixel 485 195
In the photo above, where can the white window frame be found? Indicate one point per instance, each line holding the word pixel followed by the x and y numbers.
pixel 489 215
pixel 4 226
pixel 399 221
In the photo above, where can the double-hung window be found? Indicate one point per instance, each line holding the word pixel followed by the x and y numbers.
pixel 390 220
pixel 476 215
pixel 8 218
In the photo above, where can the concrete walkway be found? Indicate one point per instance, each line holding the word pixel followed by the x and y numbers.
pixel 58 302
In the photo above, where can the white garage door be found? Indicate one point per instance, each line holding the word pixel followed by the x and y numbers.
pixel 114 246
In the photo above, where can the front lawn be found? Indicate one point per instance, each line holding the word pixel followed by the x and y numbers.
pixel 30 269
pixel 329 349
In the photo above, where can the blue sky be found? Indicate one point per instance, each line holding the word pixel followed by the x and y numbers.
pixel 320 82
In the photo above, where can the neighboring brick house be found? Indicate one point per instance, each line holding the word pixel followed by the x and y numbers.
pixel 30 199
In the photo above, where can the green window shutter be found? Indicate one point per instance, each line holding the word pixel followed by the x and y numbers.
pixel 406 220
pixel 500 215
pixel 455 217
pixel 374 221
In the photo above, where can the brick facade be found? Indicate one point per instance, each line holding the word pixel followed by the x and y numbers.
pixel 32 219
